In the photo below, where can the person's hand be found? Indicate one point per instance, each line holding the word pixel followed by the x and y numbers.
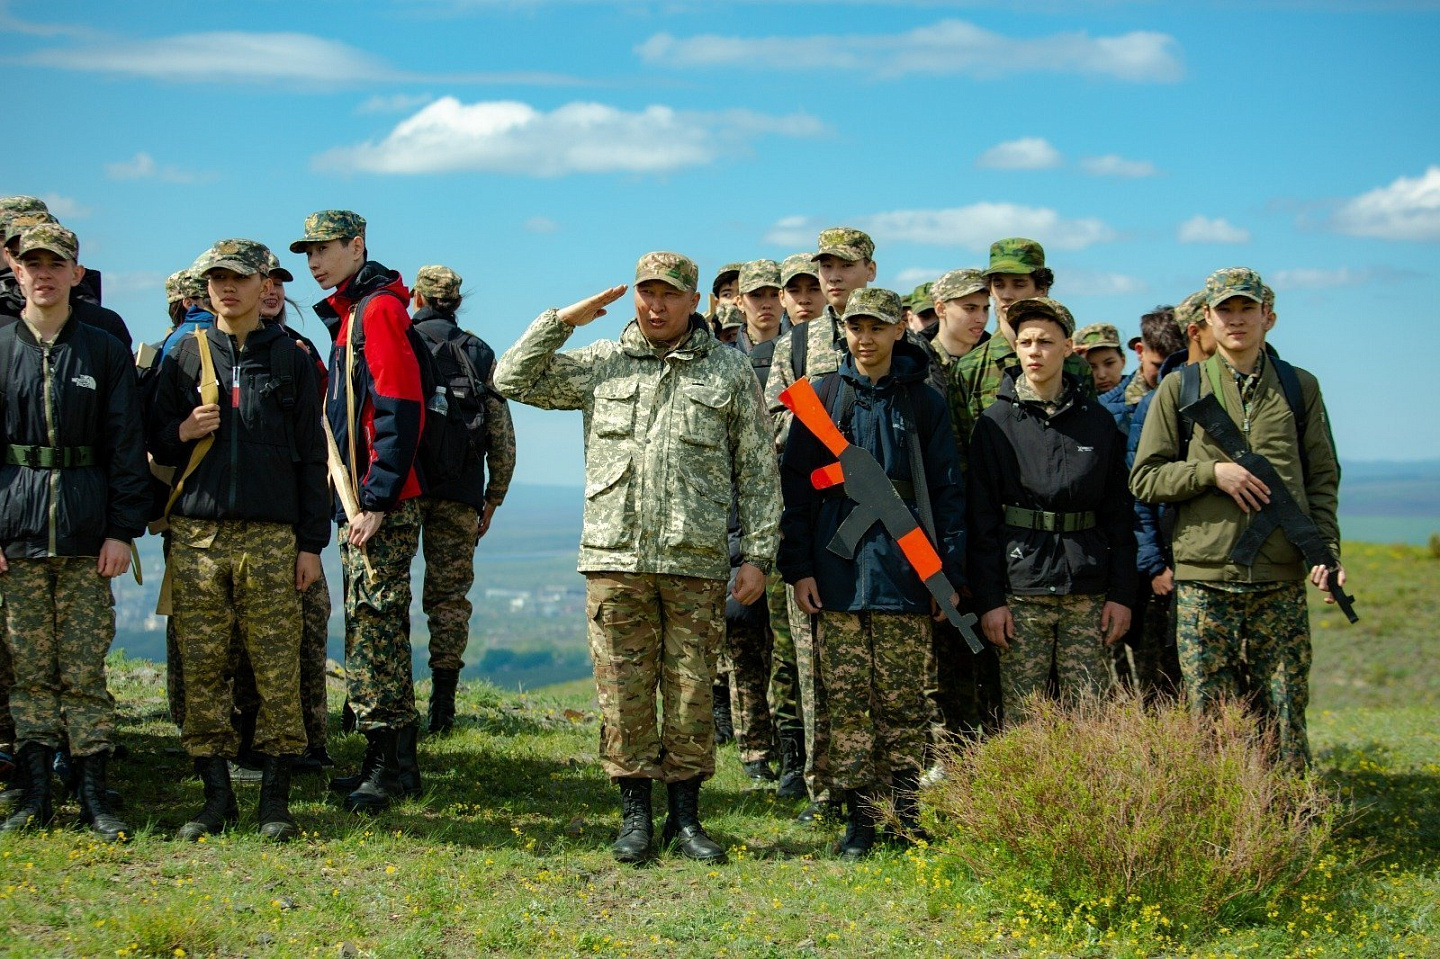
pixel 1114 622
pixel 4 563
pixel 114 558
pixel 938 614
pixel 486 514
pixel 1164 584
pixel 749 584
pixel 998 626
pixel 202 421
pixel 590 308
pixel 1243 486
pixel 807 595
pixel 307 570
pixel 366 525
pixel 1319 575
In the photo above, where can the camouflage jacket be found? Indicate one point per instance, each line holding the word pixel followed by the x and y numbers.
pixel 666 440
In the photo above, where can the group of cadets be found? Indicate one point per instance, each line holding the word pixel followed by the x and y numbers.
pixel 1079 518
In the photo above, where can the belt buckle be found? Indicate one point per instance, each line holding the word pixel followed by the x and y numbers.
pixel 32 457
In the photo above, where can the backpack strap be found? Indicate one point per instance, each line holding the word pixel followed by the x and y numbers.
pixel 799 346
pixel 1189 393
pixel 917 459
pixel 1290 386
pixel 209 393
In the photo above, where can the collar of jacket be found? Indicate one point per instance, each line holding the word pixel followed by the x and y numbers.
pixel 430 313
pixel 908 364
pixel 1068 392
pixel 370 277
pixel 257 338
pixel 694 345
pixel 66 333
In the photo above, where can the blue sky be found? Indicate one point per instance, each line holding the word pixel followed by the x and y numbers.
pixel 540 146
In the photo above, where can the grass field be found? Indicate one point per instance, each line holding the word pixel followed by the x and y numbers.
pixel 507 852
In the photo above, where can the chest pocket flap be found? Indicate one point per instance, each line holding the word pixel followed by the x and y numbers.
pixel 614 411
pixel 705 413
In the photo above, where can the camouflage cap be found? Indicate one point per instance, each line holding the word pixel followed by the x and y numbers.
pixel 274 270
pixel 758 274
pixel 728 316
pixel 436 282
pixel 183 283
pixel 1041 306
pixel 246 257
pixel 329 225
pixel 49 236
pixel 1234 281
pixel 11 205
pixel 679 271
pixel 876 302
pixel 21 222
pixel 958 283
pixel 1267 298
pixel 921 298
pixel 1015 254
pixel 1097 335
pixel 798 264
pixel 1191 310
pixel 845 242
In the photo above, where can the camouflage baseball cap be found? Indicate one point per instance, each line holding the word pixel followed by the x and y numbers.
pixel 49 236
pixel 726 273
pixel 11 205
pixel 1097 335
pixel 438 283
pixel 876 302
pixel 1234 281
pixel 245 257
pixel 845 242
pixel 183 283
pixel 728 316
pixel 958 283
pixel 758 274
pixel 798 264
pixel 1267 297
pixel 21 222
pixel 274 270
pixel 1191 310
pixel 921 298
pixel 1041 306
pixel 679 271
pixel 329 225
pixel 1015 254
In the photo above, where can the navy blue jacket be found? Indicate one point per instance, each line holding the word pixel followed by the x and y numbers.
pixel 1152 553
pixel 1113 400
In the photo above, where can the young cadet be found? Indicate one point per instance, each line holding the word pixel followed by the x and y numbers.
pixel 1052 552
pixel 76 490
pixel 800 289
pixel 962 310
pixel 1099 345
pixel 1243 629
pixel 456 514
pixel 375 409
pixel 248 519
pixel 673 424
pixel 923 314
pixel 872 632
pixel 1161 337
pixel 84 296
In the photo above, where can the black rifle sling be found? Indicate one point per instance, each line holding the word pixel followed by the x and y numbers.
pixel 917 462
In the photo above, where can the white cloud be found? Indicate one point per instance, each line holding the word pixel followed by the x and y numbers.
pixel 946 47
pixel 511 137
pixel 137 282
pixel 142 166
pixel 65 208
pixel 972 227
pixel 1026 153
pixel 1202 229
pixel 1113 165
pixel 908 279
pixel 1408 209
pixel 1319 278
pixel 394 103
pixel 541 224
pixel 1090 283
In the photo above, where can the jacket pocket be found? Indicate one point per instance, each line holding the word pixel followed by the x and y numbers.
pixel 705 414
pixel 614 411
pixel 609 508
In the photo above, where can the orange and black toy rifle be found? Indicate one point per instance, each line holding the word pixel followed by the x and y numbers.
pixel 876 500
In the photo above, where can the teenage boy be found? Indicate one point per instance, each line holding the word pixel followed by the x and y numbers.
pixel 1099 345
pixel 962 309
pixel 872 633
pixel 800 288
pixel 1243 630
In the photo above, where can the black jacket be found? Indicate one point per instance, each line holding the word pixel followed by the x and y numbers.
pixel 469 486
pixel 85 310
pixel 93 402
pixel 879 577
pixel 266 464
pixel 1071 462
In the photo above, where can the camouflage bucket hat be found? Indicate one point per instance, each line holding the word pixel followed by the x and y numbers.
pixel 758 274
pixel 1191 310
pixel 798 264
pixel 49 236
pixel 679 271
pixel 438 283
pixel 21 222
pixel 12 205
pixel 845 242
pixel 274 270
pixel 728 316
pixel 245 257
pixel 1234 281
pixel 922 298
pixel 1097 335
pixel 1041 306
pixel 1015 255
pixel 873 301
pixel 958 283
pixel 329 225
pixel 183 283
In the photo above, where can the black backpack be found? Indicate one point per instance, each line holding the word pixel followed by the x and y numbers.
pixel 465 392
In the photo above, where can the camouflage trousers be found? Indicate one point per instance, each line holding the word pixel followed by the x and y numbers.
pixel 873 666
pixel 951 672
pixel 315 632
pixel 235 580
pixel 378 668
pixel 1053 633
pixel 7 680
pixel 1251 644
pixel 1145 659
pixel 784 674
pixel 650 632
pixel 748 648
pixel 813 709
pixel 60 621
pixel 449 534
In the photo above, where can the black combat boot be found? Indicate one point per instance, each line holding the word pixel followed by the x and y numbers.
pixel 348 784
pixel 637 825
pixel 382 785
pixel 759 771
pixel 96 810
pixel 66 772
pixel 407 746
pixel 792 766
pixel 33 809
pixel 220 809
pixel 276 823
pixel 822 810
pixel 442 699
pixel 724 722
pixel 682 824
pixel 907 807
pixel 15 785
pixel 859 836
pixel 247 764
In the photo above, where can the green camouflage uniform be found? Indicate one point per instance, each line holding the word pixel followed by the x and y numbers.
pixel 314 653
pixel 7 680
pixel 1053 634
pixel 748 649
pixel 784 678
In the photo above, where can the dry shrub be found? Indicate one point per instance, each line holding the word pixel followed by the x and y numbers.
pixel 1114 810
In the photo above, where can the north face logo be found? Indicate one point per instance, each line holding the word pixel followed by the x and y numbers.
pixel 1016 553
pixel 84 381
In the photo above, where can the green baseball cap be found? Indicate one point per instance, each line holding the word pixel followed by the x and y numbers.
pixel 183 283
pixel 1191 310
pixel 1097 335
pixel 48 236
pixel 438 283
pixel 1267 298
pixel 246 257
pixel 274 270
pixel 1234 281
pixel 726 273
pixel 728 316
pixel 921 298
pixel 758 274
pixel 876 302
pixel 958 283
pixel 1015 255
pixel 326 225
pixel 1042 306
pixel 679 271
pixel 845 242
pixel 797 264
pixel 11 205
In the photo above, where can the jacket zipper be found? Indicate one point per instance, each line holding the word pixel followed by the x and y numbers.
pixel 47 374
pixel 234 422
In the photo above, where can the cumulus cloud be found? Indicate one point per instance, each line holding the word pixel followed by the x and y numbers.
pixel 1319 278
pixel 507 136
pixel 1407 209
pixel 1092 283
pixel 142 166
pixel 946 47
pixel 971 227
pixel 1118 166
pixel 65 208
pixel 1026 153
pixel 1202 229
